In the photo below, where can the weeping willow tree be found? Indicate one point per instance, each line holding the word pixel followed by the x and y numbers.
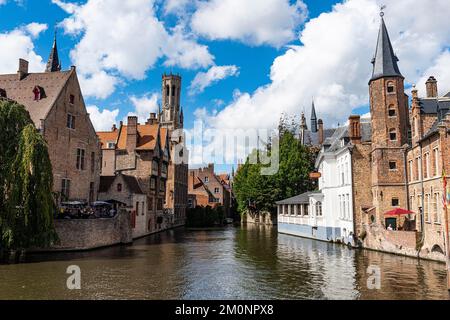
pixel 26 182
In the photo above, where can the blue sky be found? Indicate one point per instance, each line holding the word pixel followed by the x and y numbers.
pixel 267 57
pixel 253 61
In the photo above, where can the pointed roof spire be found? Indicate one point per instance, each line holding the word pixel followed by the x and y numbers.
pixel 313 118
pixel 53 63
pixel 385 61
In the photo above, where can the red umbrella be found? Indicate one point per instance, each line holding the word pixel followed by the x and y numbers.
pixel 398 212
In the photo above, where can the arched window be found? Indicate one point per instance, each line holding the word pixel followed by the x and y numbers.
pixel 390 87
pixel 167 90
pixel 392 111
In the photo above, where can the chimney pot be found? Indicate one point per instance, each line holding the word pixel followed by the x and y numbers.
pixel 321 133
pixel 132 133
pixel 23 69
pixel 354 129
pixel 432 88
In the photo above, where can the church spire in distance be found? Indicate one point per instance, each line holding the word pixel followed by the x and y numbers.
pixel 385 61
pixel 53 64
pixel 313 118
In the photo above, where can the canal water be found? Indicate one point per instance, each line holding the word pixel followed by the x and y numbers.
pixel 234 263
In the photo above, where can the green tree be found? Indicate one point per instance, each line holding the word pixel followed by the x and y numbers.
pixel 26 182
pixel 261 192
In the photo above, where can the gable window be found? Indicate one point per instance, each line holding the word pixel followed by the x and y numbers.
pixel 392 111
pixel 70 121
pixel 393 165
pixel 393 135
pixel 111 145
pixel 216 190
pixel 65 188
pixel 81 154
pixel 119 187
pixel 206 179
pixel 71 99
pixel 37 93
pixel 390 87
pixel 395 202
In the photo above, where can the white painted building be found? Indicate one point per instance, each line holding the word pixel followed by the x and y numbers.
pixel 330 214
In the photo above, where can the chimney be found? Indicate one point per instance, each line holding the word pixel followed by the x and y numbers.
pixel 432 89
pixel 114 128
pixel 211 167
pixel 132 133
pixel 321 133
pixel 23 69
pixel 354 129
pixel 152 119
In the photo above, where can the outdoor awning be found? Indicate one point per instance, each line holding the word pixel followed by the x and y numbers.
pixel 398 212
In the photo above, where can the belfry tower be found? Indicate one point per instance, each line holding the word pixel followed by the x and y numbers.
pixel 171 114
pixel 171 117
pixel 390 126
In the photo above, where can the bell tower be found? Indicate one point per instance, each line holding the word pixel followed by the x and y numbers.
pixel 390 126
pixel 171 96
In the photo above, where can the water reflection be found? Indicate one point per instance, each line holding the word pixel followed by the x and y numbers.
pixel 234 263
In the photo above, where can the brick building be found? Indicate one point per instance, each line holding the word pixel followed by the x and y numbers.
pixel 396 162
pixel 140 151
pixel 208 189
pixel 56 105
pixel 408 151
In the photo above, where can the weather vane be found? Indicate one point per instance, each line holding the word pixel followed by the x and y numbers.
pixel 381 10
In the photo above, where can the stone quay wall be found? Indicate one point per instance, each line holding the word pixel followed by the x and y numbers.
pixel 260 218
pixel 90 234
pixel 397 242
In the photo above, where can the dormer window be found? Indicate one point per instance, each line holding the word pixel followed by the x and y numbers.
pixel 37 93
pixel 390 87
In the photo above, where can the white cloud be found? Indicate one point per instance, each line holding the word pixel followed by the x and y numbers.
pixel 104 119
pixel 144 105
pixel 35 29
pixel 254 22
pixel 123 40
pixel 441 71
pixel 332 63
pixel 216 73
pixel 18 43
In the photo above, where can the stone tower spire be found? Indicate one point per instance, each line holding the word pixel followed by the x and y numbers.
pixel 313 118
pixel 390 126
pixel 53 64
pixel 385 61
